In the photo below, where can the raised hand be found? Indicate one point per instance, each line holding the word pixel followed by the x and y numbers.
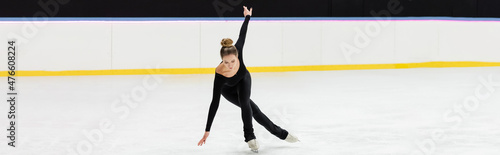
pixel 246 11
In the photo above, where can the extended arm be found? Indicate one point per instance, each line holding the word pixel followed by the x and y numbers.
pixel 214 105
pixel 213 108
pixel 243 31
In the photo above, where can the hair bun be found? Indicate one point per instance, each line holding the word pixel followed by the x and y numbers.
pixel 226 42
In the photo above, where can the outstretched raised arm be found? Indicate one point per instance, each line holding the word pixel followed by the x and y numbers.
pixel 243 31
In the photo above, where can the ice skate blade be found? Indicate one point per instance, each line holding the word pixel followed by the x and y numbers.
pixel 255 151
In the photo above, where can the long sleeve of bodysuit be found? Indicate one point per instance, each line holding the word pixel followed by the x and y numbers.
pixel 218 82
pixel 241 40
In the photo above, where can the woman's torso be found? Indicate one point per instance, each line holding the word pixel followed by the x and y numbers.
pixel 232 78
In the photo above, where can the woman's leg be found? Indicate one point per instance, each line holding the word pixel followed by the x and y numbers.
pixel 262 119
pixel 243 89
pixel 230 93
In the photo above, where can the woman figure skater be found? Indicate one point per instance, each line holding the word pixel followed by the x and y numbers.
pixel 233 81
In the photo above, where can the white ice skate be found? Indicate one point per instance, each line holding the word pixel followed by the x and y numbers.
pixel 291 138
pixel 253 145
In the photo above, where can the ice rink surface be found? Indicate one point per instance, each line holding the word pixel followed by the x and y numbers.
pixel 440 111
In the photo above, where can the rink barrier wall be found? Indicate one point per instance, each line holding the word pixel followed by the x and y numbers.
pixel 131 46
pixel 256 69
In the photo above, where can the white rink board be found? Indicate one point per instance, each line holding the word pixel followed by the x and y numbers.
pixel 90 45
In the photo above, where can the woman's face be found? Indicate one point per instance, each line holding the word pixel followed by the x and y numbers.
pixel 229 61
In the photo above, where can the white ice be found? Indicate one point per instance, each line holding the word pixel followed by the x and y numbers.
pixel 440 111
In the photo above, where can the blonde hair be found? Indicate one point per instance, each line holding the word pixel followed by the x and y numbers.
pixel 228 48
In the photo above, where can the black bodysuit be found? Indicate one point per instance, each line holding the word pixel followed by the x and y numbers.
pixel 237 89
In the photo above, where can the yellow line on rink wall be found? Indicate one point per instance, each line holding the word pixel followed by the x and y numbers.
pixel 435 64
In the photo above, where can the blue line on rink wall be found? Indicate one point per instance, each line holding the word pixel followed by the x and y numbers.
pixel 24 19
